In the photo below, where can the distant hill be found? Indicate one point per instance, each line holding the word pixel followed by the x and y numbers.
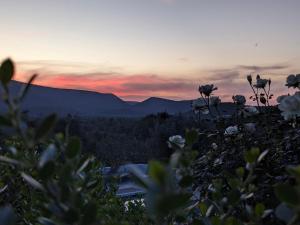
pixel 42 100
pixel 154 105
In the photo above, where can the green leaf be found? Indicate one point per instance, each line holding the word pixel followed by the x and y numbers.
pixel 252 155
pixel 215 220
pixel 45 127
pixel 287 194
pixel 171 202
pixel 157 172
pixel 203 208
pixel 294 171
pixel 6 71
pixel 191 136
pixel 234 196
pixel 232 221
pixel 234 182
pixel 259 209
pixel 73 147
pixel 240 172
pixel 7 216
pixel 26 88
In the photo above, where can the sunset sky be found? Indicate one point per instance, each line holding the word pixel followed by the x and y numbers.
pixel 142 48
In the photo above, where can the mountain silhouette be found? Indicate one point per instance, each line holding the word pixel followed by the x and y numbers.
pixel 41 101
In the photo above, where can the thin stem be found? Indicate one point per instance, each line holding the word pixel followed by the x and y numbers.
pixel 256 94
pixel 267 96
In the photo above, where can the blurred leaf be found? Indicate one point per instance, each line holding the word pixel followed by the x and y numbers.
pixel 186 181
pixel 175 157
pixel 47 170
pixel 198 222
pixel 262 156
pixel 7 216
pixel 25 88
pixel 6 71
pixel 284 213
pixel 34 183
pixel 47 155
pixel 215 220
pixel 5 122
pixel 7 160
pixel 252 155
pixel 240 172
pixel 259 209
pixel 294 171
pixel 171 202
pixel 45 127
pixel 71 216
pixel 232 221
pixel 90 214
pixel 234 196
pixel 191 136
pixel 2 189
pixel 234 182
pixel 203 208
pixel 84 165
pixel 45 221
pixel 73 147
pixel 287 194
pixel 157 172
pixel 139 177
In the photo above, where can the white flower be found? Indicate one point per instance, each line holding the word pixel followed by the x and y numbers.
pixel 250 127
pixel 214 100
pixel 176 140
pixel 239 99
pixel 250 111
pixel 293 81
pixel 199 105
pixel 134 202
pixel 214 146
pixel 207 89
pixel 290 106
pixel 231 130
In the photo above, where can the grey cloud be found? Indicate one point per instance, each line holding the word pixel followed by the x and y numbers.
pixel 255 68
pixel 179 85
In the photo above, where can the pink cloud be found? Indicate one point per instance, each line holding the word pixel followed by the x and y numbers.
pixel 129 87
pixel 141 86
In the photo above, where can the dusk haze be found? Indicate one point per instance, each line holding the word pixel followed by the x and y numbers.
pixel 138 49
pixel 150 112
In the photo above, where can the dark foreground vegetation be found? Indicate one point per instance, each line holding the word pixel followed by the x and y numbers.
pixel 135 140
pixel 241 170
